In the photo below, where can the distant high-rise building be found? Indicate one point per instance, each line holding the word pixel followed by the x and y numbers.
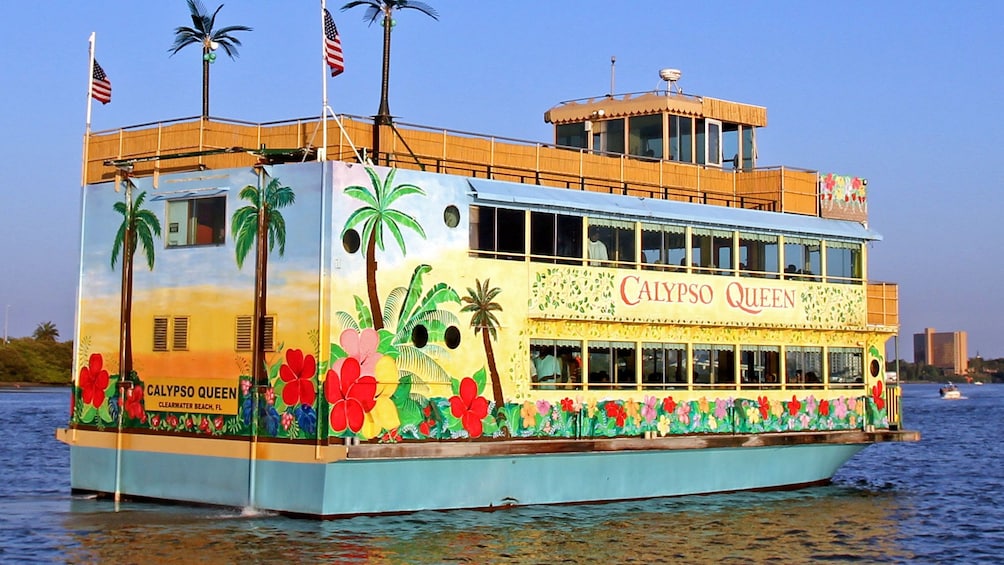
pixel 943 350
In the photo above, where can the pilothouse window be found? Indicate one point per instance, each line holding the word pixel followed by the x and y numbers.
pixel 197 221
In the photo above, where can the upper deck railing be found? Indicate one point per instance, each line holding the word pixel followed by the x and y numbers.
pixel 410 146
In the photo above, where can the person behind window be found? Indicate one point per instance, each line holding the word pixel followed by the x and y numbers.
pixel 597 249
pixel 548 369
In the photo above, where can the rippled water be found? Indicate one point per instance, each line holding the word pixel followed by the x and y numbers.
pixel 937 501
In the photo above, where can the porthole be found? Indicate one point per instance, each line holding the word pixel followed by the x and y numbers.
pixel 350 241
pixel 875 367
pixel 452 337
pixel 419 336
pixel 451 216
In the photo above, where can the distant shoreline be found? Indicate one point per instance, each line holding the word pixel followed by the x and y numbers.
pixel 25 384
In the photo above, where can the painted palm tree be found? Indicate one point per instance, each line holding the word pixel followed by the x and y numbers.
pixel 374 9
pixel 202 33
pixel 480 302
pixel 260 225
pixel 138 229
pixel 375 216
pixel 46 331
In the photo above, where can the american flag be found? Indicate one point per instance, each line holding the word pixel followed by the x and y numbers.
pixel 332 46
pixel 101 87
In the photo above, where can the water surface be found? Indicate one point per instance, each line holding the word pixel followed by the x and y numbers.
pixel 937 501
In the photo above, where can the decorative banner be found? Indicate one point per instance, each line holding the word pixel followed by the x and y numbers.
pixel 204 396
pixel 843 197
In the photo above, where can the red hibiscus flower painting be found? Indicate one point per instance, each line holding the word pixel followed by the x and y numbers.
pixel 469 407
pixel 134 404
pixel 297 373
pixel 351 394
pixel 877 396
pixel 93 381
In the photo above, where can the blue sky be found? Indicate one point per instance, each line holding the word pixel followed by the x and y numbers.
pixel 906 94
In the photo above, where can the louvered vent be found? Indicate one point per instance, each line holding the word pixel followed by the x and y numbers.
pixel 180 334
pixel 244 334
pixel 268 336
pixel 160 333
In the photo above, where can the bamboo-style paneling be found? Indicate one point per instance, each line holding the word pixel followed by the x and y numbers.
pixel 883 304
pixel 734 112
pixel 454 153
pixel 798 191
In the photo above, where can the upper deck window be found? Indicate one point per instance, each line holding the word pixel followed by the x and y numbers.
pixel 500 230
pixel 758 254
pixel 802 258
pixel 663 245
pixel 711 250
pixel 617 238
pixel 197 221
pixel 555 235
pixel 843 262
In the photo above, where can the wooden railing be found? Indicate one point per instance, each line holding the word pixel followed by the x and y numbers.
pixel 778 189
pixel 883 304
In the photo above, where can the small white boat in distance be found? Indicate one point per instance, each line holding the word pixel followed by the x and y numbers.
pixel 950 392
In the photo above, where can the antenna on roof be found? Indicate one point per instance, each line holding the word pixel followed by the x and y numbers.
pixel 671 76
pixel 613 61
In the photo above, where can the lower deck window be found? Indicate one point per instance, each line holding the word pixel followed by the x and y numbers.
pixel 804 367
pixel 608 365
pixel 714 365
pixel 846 366
pixel 611 364
pixel 555 363
pixel 760 365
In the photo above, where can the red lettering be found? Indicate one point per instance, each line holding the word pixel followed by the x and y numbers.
pixel 624 296
pixel 756 300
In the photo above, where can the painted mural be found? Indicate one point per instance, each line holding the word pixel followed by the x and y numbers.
pixel 421 342
pixel 843 197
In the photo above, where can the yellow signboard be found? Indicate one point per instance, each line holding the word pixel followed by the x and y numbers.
pixel 201 396
pixel 662 297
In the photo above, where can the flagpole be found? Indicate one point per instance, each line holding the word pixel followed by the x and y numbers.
pixel 90 80
pixel 87 125
pixel 322 155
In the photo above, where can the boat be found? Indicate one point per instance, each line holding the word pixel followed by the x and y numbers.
pixel 345 316
pixel 950 392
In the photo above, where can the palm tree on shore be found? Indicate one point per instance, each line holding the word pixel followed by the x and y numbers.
pixel 260 224
pixel 374 9
pixel 46 331
pixel 139 227
pixel 202 33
